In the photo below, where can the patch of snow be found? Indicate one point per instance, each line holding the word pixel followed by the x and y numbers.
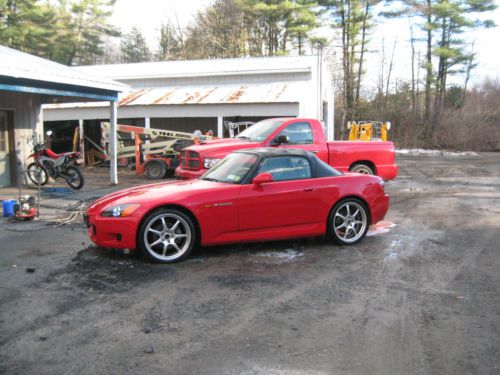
pixel 421 151
pixel 375 231
pixel 380 228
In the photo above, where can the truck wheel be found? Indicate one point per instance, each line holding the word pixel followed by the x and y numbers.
pixel 362 168
pixel 166 236
pixel 155 170
pixel 348 221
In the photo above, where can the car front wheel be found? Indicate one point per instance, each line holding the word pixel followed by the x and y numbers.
pixel 348 222
pixel 167 236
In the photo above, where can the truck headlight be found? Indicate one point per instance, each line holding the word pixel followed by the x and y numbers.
pixel 121 210
pixel 209 162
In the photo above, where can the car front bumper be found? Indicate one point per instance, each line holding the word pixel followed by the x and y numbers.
pixel 111 232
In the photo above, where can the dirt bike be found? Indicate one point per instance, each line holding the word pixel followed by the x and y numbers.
pixel 49 164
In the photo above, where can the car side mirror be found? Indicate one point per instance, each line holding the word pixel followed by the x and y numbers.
pixel 262 178
pixel 281 139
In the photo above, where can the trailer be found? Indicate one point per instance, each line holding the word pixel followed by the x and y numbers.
pixel 156 151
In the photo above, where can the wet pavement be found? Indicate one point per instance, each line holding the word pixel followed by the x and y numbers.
pixel 418 297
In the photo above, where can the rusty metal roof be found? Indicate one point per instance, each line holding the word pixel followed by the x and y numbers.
pixel 276 92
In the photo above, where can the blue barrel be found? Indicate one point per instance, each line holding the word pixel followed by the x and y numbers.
pixel 8 207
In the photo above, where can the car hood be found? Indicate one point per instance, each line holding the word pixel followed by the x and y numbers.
pixel 164 191
pixel 222 147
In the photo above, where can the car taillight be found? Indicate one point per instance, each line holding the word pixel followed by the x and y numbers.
pixel 190 160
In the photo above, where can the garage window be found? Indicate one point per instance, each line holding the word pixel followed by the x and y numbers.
pixel 287 168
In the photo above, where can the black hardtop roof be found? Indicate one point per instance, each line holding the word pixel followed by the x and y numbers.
pixel 270 152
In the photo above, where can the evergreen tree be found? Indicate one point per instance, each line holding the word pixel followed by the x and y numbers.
pixel 67 32
pixel 27 25
pixel 133 47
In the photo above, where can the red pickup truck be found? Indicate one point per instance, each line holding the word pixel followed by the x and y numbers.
pixel 362 157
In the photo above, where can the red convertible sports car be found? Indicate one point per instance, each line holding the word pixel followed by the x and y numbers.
pixel 251 195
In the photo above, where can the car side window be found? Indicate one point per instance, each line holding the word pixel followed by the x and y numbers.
pixel 284 168
pixel 298 133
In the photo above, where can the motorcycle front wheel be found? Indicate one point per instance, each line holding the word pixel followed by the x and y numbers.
pixel 37 174
pixel 74 177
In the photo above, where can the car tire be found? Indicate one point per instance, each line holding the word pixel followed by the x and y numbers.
pixel 348 221
pixel 166 236
pixel 155 170
pixel 362 168
pixel 37 174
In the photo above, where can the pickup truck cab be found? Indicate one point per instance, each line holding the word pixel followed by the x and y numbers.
pixel 373 157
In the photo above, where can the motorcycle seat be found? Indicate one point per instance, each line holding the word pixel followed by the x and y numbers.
pixel 51 154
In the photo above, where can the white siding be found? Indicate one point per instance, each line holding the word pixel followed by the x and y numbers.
pixel 159 111
pixel 307 102
pixel 27 119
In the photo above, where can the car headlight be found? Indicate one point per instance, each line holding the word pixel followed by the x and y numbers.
pixel 121 210
pixel 209 162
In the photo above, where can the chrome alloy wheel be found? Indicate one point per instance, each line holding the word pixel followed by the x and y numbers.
pixel 350 221
pixel 167 236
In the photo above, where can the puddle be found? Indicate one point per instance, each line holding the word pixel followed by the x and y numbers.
pixel 392 251
pixel 279 257
pixel 380 228
pixel 415 189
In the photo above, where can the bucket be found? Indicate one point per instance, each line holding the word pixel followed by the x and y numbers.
pixel 8 207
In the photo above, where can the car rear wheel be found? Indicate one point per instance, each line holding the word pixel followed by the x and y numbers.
pixel 167 236
pixel 348 222
pixel 362 168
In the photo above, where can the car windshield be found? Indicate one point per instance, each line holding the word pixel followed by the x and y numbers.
pixel 232 169
pixel 260 130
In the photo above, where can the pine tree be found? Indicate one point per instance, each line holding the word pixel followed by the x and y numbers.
pixel 133 47
pixel 27 25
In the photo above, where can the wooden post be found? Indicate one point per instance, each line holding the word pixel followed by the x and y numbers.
pixel 113 159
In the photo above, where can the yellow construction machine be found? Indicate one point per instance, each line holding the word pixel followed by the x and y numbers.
pixel 368 130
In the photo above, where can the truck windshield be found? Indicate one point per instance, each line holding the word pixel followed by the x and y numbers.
pixel 232 169
pixel 260 130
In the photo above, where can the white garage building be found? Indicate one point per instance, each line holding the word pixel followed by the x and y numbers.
pixel 202 94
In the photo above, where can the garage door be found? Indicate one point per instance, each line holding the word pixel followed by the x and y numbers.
pixel 4 151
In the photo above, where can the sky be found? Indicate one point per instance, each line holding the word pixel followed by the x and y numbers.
pixel 152 13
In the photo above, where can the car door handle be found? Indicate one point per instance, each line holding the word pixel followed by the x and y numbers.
pixel 315 152
pixel 309 189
